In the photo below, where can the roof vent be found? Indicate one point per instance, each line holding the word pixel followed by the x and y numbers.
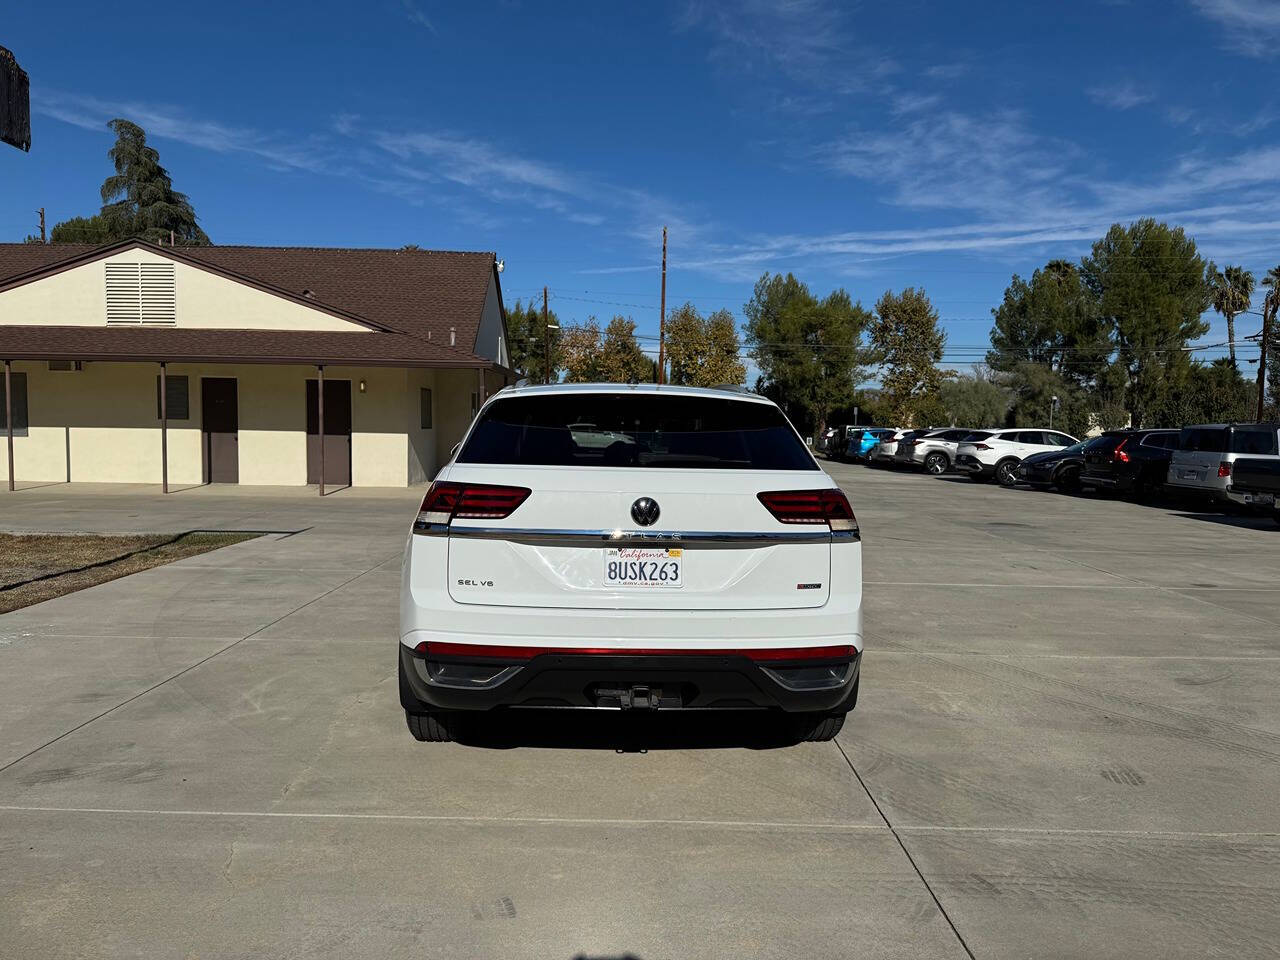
pixel 453 336
pixel 309 294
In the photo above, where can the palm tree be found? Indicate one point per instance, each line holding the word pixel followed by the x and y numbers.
pixel 1232 293
pixel 1269 367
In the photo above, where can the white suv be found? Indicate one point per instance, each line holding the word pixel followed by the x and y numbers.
pixel 700 560
pixel 996 453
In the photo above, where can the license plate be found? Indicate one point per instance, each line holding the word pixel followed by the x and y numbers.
pixel 1190 474
pixel 1265 498
pixel 651 567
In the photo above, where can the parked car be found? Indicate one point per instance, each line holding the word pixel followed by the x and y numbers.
pixel 1201 466
pixel 1058 468
pixel 707 562
pixel 996 453
pixel 884 451
pixel 934 450
pixel 1257 480
pixel 1131 461
pixel 826 441
pixel 864 441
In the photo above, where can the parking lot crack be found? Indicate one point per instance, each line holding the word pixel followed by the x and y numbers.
pixel 907 853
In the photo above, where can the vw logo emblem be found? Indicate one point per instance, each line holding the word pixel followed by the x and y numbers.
pixel 645 511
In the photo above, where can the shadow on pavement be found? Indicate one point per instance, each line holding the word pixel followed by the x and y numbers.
pixel 630 732
pixel 1249 521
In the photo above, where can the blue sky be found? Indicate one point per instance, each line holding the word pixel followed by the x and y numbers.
pixel 869 146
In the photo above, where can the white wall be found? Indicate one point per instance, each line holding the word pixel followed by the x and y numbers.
pixel 105 417
pixel 491 341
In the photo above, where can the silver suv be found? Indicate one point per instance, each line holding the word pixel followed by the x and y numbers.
pixel 1202 464
pixel 935 451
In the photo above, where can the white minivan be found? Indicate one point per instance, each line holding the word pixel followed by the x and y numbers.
pixel 701 560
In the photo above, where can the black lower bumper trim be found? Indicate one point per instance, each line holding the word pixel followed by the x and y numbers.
pixel 681 682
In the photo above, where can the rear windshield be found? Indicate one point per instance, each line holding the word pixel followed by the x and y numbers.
pixel 1204 439
pixel 1104 444
pixel 1259 441
pixel 636 430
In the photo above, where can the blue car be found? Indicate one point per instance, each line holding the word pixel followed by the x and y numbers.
pixel 863 441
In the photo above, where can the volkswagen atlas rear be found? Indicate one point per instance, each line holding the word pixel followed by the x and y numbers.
pixel 693 556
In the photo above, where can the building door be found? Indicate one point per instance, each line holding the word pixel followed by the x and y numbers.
pixel 337 433
pixel 220 416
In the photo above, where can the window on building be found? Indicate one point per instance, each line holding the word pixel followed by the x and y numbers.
pixel 141 293
pixel 177 403
pixel 424 407
pixel 65 366
pixel 18 387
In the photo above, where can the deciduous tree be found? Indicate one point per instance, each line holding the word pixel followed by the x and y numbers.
pixel 612 357
pixel 973 400
pixel 703 351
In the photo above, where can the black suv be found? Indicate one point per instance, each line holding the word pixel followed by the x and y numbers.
pixel 1131 461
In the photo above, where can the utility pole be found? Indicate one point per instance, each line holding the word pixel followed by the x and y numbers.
pixel 546 338
pixel 1269 307
pixel 43 239
pixel 662 311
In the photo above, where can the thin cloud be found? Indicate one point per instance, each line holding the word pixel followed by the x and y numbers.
pixel 416 15
pixel 810 41
pixel 1252 26
pixel 172 123
pixel 1120 96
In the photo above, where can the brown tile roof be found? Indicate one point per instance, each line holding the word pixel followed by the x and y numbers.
pixel 412 297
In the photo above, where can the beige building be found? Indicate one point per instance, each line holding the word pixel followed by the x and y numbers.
pixel 407 344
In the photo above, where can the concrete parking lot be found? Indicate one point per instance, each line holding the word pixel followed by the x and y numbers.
pixel 1068 745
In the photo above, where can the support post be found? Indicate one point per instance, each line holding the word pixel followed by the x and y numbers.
pixel 662 312
pixel 8 415
pixel 320 422
pixel 1270 306
pixel 546 338
pixel 480 387
pixel 164 427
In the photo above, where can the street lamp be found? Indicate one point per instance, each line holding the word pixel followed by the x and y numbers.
pixel 546 336
pixel 1052 404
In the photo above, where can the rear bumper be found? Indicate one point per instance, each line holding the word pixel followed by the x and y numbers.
pixel 1106 481
pixel 722 681
pixel 974 467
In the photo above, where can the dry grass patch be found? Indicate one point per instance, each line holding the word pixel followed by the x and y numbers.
pixel 36 567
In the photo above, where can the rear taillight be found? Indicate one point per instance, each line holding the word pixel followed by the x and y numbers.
pixel 477 501
pixel 1224 469
pixel 811 506
pixel 981 446
pixel 1121 455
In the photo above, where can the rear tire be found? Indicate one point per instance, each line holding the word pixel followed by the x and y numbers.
pixel 1007 473
pixel 431 727
pixel 936 464
pixel 815 727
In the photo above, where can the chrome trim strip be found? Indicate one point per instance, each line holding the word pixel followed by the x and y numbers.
pixel 641 538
